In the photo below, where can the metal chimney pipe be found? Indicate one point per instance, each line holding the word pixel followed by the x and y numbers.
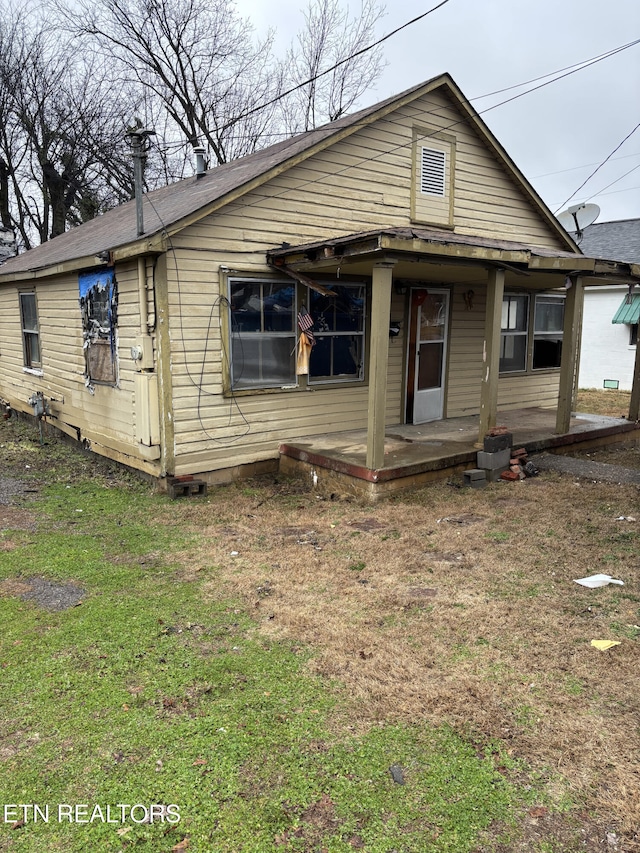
pixel 201 164
pixel 139 142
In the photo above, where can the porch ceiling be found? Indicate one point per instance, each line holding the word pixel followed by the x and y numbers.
pixel 444 256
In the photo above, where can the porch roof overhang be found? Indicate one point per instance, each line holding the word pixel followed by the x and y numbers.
pixel 525 265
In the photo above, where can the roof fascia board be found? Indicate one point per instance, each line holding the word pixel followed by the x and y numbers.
pixel 451 250
pixel 85 263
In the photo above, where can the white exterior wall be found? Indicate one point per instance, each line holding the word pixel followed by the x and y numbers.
pixel 605 351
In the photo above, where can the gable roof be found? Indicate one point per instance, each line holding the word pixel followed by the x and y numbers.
pixel 169 209
pixel 618 240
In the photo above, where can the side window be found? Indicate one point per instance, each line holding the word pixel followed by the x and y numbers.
pixel 30 331
pixel 547 331
pixel 338 329
pixel 514 329
pixel 263 333
pixel 633 335
pixel 99 310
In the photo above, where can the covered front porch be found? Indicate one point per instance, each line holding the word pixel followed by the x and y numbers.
pixel 454 301
pixel 417 454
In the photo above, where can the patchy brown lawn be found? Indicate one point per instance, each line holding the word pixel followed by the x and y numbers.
pixel 459 607
pixel 614 404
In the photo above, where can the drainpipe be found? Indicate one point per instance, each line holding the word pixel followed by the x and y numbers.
pixel 142 295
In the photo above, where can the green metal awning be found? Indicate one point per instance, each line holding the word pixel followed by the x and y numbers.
pixel 629 311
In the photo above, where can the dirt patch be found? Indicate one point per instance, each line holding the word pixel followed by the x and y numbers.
pixel 50 596
pixel 13 518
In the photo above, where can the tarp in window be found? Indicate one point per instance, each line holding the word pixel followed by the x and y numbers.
pixel 101 280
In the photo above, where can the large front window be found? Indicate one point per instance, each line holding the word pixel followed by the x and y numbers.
pixel 263 333
pixel 338 328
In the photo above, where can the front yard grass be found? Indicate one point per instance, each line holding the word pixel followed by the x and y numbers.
pixel 291 674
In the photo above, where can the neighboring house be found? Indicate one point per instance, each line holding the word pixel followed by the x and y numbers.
pixel 610 320
pixel 429 272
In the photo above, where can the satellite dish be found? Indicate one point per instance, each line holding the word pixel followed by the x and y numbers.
pixel 578 217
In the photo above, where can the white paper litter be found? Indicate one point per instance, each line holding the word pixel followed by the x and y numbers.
pixel 594 581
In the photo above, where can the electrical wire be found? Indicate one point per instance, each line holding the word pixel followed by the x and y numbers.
pixel 597 169
pixel 465 120
pixel 217 302
pixel 338 64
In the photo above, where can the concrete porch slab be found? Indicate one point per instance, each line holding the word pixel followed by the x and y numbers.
pixel 416 454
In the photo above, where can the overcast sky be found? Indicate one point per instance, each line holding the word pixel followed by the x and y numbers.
pixel 558 135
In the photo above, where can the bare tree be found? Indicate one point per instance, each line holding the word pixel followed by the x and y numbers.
pixel 197 57
pixel 331 40
pixel 63 158
pixel 71 85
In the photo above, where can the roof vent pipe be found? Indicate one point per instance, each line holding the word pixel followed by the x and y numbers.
pixel 201 164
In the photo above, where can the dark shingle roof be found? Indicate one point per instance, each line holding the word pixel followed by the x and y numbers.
pixel 619 241
pixel 168 205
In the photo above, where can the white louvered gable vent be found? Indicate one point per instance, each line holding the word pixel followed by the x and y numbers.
pixel 432 172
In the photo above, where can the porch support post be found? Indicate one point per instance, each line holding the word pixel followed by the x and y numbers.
pixel 378 362
pixel 634 405
pixel 491 353
pixel 569 359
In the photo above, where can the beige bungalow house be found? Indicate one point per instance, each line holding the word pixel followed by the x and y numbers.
pixel 391 270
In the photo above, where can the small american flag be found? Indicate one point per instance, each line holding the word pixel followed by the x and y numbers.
pixel 305 320
pixel 305 323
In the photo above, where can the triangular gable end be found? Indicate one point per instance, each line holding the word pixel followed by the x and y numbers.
pixel 493 199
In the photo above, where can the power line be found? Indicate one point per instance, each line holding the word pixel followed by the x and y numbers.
pixel 597 169
pixel 338 64
pixel 582 166
pixel 601 192
pixel 561 74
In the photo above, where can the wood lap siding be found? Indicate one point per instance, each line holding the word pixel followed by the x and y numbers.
pixel 106 417
pixel 360 183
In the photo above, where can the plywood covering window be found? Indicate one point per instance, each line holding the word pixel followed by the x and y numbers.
pixel 433 169
pixel 338 329
pixel 30 331
pixel 263 333
pixel 99 311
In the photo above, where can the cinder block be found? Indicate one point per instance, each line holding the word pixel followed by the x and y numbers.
pixel 475 478
pixel 177 488
pixel 494 460
pixel 494 443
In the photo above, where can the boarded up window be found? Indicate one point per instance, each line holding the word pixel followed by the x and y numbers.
pixel 99 309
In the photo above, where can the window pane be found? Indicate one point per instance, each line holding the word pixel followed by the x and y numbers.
pixel 514 312
pixel 262 361
pixel 343 312
pixel 336 357
pixel 547 351
pixel 262 306
pixel 513 352
pixel 549 314
pixel 32 349
pixel 263 339
pixel 29 312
